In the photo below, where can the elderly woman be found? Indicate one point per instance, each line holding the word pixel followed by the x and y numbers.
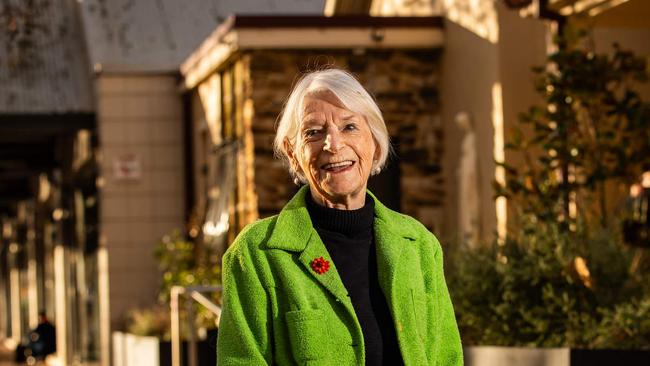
pixel 336 278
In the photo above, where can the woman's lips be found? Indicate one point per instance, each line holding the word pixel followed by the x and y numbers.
pixel 338 167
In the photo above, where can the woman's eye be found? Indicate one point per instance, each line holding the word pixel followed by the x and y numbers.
pixel 310 133
pixel 350 127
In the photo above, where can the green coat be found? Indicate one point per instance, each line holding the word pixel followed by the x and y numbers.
pixel 277 310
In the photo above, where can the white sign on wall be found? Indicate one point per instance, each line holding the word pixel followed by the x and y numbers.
pixel 127 167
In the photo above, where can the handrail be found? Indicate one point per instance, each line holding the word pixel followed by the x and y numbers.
pixel 193 293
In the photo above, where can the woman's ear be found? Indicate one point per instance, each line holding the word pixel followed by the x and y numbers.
pixel 377 153
pixel 293 159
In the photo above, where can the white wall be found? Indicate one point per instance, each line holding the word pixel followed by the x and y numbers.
pixel 469 70
pixel 474 68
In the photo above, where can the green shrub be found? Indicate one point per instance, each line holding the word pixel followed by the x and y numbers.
pixel 150 322
pixel 627 326
pixel 545 288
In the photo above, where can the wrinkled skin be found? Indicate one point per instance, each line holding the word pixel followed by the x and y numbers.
pixel 335 152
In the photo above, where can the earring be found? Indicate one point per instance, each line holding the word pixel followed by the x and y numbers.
pixel 297 181
pixel 376 169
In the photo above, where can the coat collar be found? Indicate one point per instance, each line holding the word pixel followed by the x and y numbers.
pixel 294 219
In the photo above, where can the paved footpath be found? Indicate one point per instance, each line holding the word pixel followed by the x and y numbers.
pixel 7 357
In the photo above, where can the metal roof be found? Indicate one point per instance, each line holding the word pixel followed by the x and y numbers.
pixel 157 35
pixel 43 67
pixel 50 69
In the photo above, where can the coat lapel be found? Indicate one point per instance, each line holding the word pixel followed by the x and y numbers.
pixel 330 279
pixel 396 257
pixel 295 232
pixel 390 248
pixel 392 239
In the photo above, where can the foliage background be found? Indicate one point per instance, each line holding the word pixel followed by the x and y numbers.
pixel 563 276
pixel 543 288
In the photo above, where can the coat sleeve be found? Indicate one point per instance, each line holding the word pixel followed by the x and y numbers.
pixel 245 325
pixel 450 351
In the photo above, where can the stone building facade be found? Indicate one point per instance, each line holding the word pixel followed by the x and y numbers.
pixel 237 96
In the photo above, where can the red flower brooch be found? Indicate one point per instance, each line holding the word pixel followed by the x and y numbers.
pixel 320 265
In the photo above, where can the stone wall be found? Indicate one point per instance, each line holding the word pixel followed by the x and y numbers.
pixel 405 85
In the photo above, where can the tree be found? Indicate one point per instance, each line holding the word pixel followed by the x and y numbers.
pixel 593 128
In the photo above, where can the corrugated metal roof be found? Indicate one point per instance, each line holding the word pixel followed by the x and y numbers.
pixel 53 72
pixel 157 35
pixel 45 71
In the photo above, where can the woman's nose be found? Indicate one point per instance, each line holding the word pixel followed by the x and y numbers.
pixel 332 141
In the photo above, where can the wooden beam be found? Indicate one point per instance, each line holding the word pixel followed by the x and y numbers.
pixel 47 123
pixel 577 7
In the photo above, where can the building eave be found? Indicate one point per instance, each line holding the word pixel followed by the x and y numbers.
pixel 241 33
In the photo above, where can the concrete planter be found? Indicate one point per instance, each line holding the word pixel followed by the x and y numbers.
pixel 133 350
pixel 521 356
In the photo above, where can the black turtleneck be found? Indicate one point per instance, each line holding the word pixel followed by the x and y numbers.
pixel 349 239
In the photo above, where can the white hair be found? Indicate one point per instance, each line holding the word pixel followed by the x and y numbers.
pixel 352 96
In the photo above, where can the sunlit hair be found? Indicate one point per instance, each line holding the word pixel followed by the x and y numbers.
pixel 352 96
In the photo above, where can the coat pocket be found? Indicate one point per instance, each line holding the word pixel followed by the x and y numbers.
pixel 308 334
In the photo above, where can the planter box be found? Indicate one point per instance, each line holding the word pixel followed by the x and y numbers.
pixel 522 356
pixel 132 350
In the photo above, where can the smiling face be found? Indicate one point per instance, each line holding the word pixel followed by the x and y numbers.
pixel 335 152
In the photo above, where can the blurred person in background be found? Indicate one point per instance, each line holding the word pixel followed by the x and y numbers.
pixel 336 278
pixel 41 342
